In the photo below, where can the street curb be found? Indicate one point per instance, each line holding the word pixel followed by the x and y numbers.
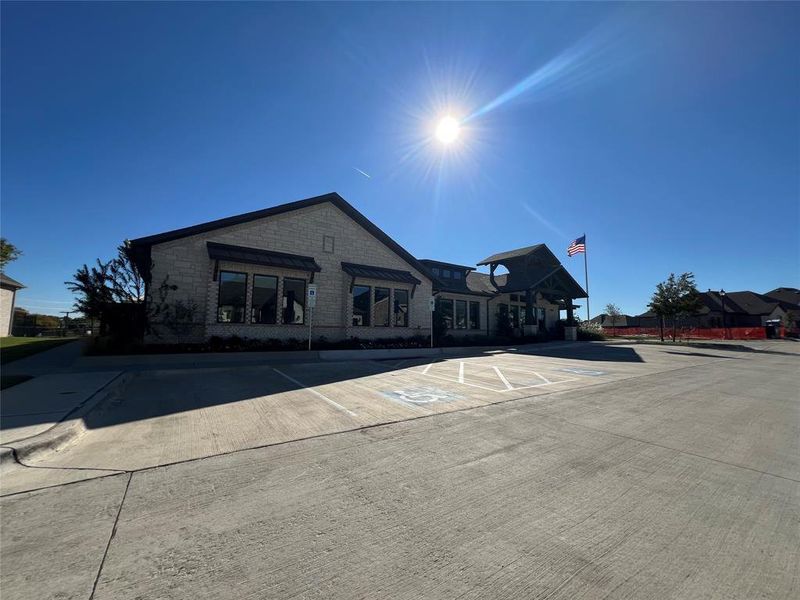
pixel 688 344
pixel 69 427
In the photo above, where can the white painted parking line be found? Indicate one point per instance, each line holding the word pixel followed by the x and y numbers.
pixel 452 380
pixel 315 392
pixel 503 378
pixel 461 372
pixel 426 369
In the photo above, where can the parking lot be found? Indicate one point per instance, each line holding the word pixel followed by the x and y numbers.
pixel 575 471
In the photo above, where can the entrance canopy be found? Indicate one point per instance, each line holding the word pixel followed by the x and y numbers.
pixel 537 269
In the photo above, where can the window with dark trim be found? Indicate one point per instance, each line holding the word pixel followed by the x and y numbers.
pixel 446 273
pixel 461 314
pixel 435 271
pixel 264 305
pixel 294 301
pixel 445 306
pixel 361 305
pixel 456 274
pixel 232 297
pixel 474 315
pixel 382 299
pixel 401 308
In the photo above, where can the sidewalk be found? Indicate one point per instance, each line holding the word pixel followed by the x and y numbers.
pixel 60 358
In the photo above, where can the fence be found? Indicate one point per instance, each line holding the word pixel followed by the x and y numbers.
pixel 699 333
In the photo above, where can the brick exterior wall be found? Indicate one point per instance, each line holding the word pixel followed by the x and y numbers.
pixel 6 310
pixel 186 264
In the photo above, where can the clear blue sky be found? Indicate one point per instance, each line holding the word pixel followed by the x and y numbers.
pixel 668 133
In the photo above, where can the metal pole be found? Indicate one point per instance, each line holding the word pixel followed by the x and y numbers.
pixel 310 318
pixel 586 273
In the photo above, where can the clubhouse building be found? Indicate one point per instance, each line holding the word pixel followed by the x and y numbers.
pixel 250 276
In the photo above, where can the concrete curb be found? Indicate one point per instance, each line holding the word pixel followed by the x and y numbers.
pixel 67 429
pixel 689 344
pixel 224 359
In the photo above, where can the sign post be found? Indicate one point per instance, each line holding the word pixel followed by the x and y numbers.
pixel 432 301
pixel 311 302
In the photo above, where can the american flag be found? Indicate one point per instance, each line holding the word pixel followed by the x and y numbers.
pixel 577 246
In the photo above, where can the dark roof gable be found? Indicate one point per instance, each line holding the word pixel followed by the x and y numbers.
pixel 141 246
pixel 10 282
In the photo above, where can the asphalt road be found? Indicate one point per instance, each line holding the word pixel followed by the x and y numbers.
pixel 679 478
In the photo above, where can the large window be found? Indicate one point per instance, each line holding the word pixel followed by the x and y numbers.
pixel 474 315
pixel 361 305
pixel 381 307
pixel 401 308
pixel 294 300
pixel 232 297
pixel 265 300
pixel 461 314
pixel 445 307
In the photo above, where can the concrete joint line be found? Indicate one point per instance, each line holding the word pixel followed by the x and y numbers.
pixel 111 537
pixel 315 392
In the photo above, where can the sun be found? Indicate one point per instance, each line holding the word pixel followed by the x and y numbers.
pixel 447 130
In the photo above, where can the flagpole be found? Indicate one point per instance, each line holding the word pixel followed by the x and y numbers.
pixel 586 273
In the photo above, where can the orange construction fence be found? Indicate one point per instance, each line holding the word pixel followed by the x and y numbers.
pixel 700 333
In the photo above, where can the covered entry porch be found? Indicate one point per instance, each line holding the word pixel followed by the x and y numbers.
pixel 535 275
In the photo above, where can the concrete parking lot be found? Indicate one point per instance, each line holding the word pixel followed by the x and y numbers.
pixel 597 471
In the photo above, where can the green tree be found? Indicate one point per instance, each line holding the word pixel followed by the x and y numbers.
pixel 115 281
pixel 8 253
pixel 614 313
pixel 675 298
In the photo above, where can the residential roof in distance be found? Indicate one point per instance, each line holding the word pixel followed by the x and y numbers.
pixel 785 295
pixel 10 282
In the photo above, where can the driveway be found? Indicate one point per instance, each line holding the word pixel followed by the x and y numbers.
pixel 652 473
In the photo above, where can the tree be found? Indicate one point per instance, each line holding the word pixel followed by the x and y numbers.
pixel 676 297
pixel 8 253
pixel 116 281
pixel 614 313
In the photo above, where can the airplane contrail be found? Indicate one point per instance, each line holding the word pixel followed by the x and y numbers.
pixel 368 176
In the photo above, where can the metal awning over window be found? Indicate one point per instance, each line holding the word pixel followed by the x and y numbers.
pixel 381 273
pixel 257 256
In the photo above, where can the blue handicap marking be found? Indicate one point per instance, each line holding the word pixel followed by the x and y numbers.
pixel 587 372
pixel 422 395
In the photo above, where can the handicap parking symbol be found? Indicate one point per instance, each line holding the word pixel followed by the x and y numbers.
pixel 422 395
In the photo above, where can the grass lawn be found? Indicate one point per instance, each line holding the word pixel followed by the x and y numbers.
pixel 14 348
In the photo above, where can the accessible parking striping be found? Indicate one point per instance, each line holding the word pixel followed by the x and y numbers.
pixel 494 378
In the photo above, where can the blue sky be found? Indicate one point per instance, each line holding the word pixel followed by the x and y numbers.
pixel 668 133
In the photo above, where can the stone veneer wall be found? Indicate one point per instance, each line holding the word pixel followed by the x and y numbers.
pixel 188 266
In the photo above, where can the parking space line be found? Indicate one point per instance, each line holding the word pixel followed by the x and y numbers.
pixel 483 387
pixel 461 372
pixel 503 378
pixel 428 368
pixel 315 392
pixel 537 385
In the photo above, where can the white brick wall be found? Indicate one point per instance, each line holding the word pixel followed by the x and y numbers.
pixel 301 232
pixel 6 311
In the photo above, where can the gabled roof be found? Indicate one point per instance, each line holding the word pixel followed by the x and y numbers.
pixel 257 256
pixel 141 247
pixel 494 258
pixel 788 297
pixel 9 282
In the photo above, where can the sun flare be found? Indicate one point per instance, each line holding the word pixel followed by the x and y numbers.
pixel 447 130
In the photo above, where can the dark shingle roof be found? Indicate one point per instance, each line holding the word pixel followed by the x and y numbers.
pixel 10 282
pixel 510 254
pixel 257 256
pixel 382 273
pixel 438 263
pixel 788 297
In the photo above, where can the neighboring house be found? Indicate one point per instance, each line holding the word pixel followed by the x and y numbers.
pixel 248 275
pixel 733 309
pixel 604 320
pixel 8 296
